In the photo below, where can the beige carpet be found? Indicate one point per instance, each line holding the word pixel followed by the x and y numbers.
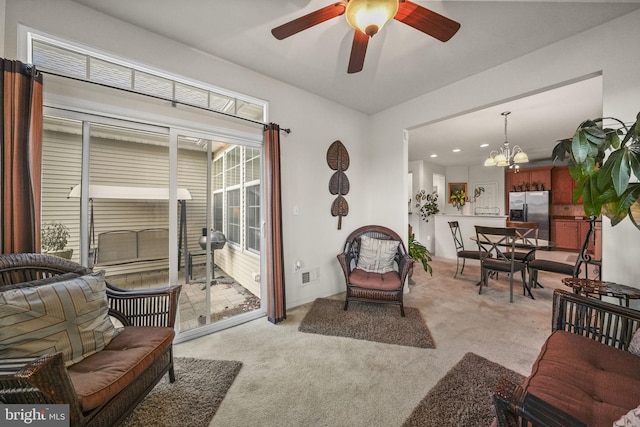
pixel 367 321
pixel 291 378
pixel 463 396
pixel 192 400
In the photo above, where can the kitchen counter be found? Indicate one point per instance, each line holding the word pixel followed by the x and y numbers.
pixel 444 246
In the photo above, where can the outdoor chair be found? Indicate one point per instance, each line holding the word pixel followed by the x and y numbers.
pixel 375 264
pixel 461 252
pixel 493 241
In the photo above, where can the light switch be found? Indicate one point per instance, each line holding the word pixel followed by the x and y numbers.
pixel 296 210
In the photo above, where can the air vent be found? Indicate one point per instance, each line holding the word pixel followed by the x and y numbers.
pixel 309 276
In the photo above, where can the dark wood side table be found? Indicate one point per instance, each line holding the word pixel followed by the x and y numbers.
pixel 598 289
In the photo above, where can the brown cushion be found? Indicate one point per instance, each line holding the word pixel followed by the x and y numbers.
pixel 365 279
pixel 552 266
pixel 502 265
pixel 471 254
pixel 594 382
pixel 99 377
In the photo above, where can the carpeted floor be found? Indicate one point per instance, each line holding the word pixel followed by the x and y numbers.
pixel 463 396
pixel 366 321
pixel 192 400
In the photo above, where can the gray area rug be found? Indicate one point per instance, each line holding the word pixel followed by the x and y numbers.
pixel 368 321
pixel 192 400
pixel 463 397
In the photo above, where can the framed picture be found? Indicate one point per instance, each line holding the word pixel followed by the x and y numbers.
pixel 455 186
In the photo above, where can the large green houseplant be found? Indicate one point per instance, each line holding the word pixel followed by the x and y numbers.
pixel 419 252
pixel 606 186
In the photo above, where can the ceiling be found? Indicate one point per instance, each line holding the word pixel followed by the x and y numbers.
pixel 536 123
pixel 401 63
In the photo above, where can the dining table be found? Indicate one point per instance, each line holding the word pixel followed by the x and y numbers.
pixel 530 243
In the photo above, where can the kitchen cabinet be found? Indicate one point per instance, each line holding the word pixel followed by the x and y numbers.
pixel 566 234
pixel 526 179
pixel 562 186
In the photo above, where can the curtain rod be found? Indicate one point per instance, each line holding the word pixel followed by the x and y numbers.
pixel 172 101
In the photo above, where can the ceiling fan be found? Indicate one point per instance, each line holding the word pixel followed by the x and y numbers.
pixel 367 17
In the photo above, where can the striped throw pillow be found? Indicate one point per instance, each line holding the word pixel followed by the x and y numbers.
pixel 70 316
pixel 377 256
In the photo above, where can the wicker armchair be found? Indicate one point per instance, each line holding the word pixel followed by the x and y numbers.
pixel 370 286
pixel 607 329
pixel 46 379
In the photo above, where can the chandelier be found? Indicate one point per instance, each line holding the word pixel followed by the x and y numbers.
pixel 506 156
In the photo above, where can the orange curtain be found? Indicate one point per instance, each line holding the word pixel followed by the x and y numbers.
pixel 21 145
pixel 276 302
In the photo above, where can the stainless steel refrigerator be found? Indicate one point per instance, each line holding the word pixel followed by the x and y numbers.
pixel 531 206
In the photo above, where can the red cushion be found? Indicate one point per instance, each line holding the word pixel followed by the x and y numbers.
pixel 594 382
pixel 365 279
pixel 99 377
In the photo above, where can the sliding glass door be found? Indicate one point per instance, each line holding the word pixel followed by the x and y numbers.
pixel 152 206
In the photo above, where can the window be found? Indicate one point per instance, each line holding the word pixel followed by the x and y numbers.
pixel 252 217
pixel 233 216
pixel 68 59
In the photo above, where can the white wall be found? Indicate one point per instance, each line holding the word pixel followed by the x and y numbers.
pixel 598 50
pixel 3 5
pixel 311 236
pixel 377 144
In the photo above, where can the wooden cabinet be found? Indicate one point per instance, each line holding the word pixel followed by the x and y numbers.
pixel 528 179
pixel 566 234
pixel 542 177
pixel 562 186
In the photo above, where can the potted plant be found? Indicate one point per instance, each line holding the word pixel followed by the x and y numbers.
pixel 430 206
pixel 54 239
pixel 458 199
pixel 604 185
pixel 419 252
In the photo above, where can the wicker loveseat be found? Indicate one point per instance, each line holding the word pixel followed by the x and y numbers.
pixel 105 386
pixel 584 375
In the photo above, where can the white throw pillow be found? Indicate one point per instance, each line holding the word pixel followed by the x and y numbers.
pixel 634 345
pixel 377 256
pixel 630 419
pixel 70 316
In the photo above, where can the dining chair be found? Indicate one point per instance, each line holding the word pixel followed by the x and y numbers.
pixel 527 233
pixel 461 252
pixel 573 270
pixel 495 241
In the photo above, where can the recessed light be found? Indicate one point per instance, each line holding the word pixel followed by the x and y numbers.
pixel 433 155
pixel 484 145
pixel 456 150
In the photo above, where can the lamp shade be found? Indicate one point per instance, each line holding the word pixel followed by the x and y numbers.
pixel 369 16
pixel 489 162
pixel 521 157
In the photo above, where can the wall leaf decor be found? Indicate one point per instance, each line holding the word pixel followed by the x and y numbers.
pixel 338 160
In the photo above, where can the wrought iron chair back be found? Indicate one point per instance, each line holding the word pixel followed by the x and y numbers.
pixel 497 245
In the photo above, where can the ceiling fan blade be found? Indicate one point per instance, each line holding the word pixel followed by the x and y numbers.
pixel 309 20
pixel 427 21
pixel 358 50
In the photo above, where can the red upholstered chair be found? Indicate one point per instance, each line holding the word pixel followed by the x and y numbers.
pixel 375 265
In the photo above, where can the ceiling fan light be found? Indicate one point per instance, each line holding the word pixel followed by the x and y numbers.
pixel 369 16
pixel 521 157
